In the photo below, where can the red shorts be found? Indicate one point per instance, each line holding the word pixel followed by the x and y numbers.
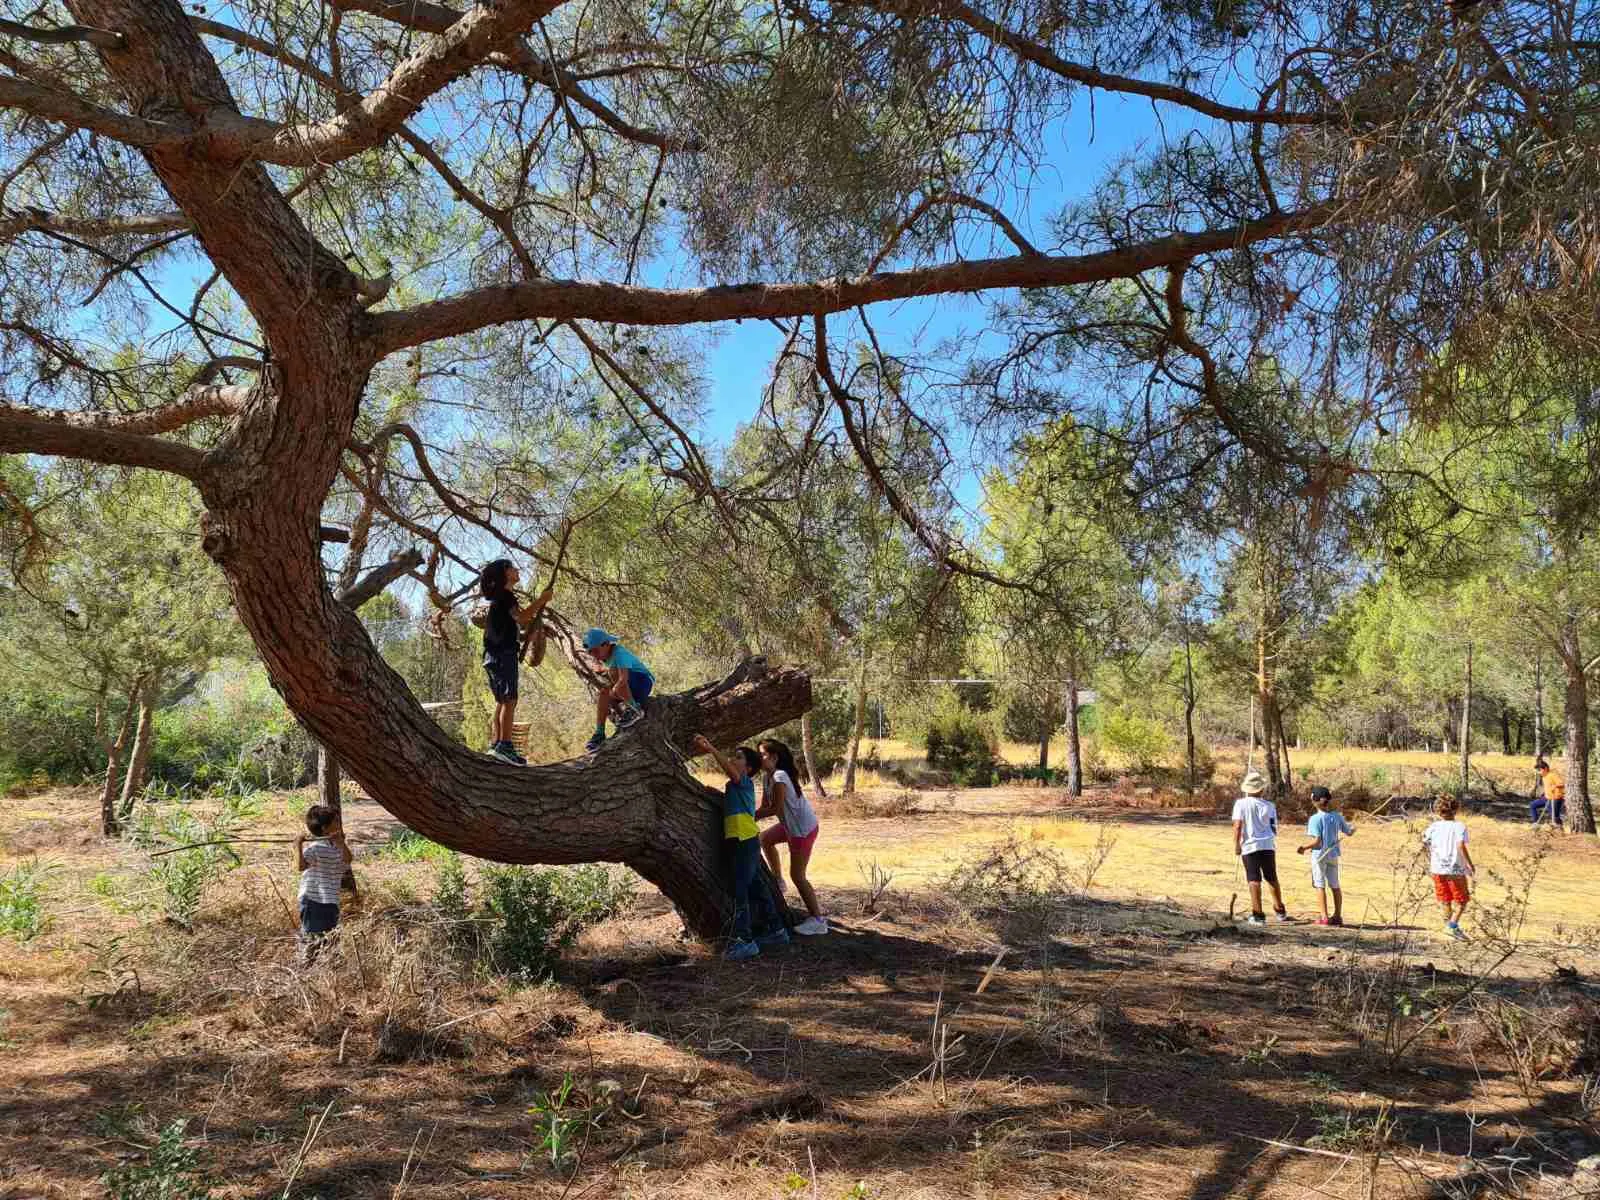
pixel 1447 888
pixel 773 834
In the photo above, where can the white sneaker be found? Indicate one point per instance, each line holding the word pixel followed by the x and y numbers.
pixel 812 927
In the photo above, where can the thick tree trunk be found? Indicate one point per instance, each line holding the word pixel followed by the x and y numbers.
pixel 139 760
pixel 1505 730
pixel 1466 725
pixel 1044 750
pixel 809 754
pixel 1580 814
pixel 1074 742
pixel 852 756
pixel 110 820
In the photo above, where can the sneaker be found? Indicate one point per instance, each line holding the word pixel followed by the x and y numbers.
pixel 777 937
pixel 812 927
pixel 1282 917
pixel 594 743
pixel 629 715
pixel 504 752
pixel 1256 919
pixel 1453 930
pixel 741 950
pixel 1336 920
pixel 1324 921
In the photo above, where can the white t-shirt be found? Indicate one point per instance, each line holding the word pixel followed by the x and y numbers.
pixel 1260 819
pixel 1444 840
pixel 798 817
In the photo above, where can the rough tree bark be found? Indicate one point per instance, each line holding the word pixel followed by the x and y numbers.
pixel 853 755
pixel 1074 742
pixel 1580 812
pixel 110 823
pixel 1188 708
pixel 139 759
pixel 1466 724
pixel 806 750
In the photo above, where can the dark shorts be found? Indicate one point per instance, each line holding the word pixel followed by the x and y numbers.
pixel 1261 866
pixel 316 917
pixel 502 672
pixel 640 685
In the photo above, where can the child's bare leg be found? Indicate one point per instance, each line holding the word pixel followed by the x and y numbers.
pixel 621 693
pixel 1322 901
pixel 1338 904
pixel 1447 910
pixel 798 859
pixel 1255 899
pixel 1277 897
pixel 1461 907
pixel 602 707
pixel 770 849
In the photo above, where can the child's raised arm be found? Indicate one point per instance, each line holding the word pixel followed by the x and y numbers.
pixel 703 745
pixel 528 613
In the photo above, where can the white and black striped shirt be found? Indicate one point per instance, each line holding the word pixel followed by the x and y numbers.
pixel 319 882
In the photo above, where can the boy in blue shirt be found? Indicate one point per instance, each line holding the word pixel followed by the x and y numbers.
pixel 1324 829
pixel 631 683
pixel 741 837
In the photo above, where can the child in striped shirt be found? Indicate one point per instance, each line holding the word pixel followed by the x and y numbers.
pixel 321 860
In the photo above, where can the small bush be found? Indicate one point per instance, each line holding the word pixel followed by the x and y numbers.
pixel 49 738
pixel 1140 740
pixel 538 913
pixel 22 912
pixel 959 741
pixel 171 1171
pixel 1020 883
pixel 181 877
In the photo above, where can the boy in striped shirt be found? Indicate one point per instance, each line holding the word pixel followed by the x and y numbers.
pixel 321 860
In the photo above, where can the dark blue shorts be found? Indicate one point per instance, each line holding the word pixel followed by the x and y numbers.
pixel 316 917
pixel 502 672
pixel 639 685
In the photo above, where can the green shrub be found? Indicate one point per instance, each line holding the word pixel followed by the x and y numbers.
pixel 961 742
pixel 22 912
pixel 1140 740
pixel 49 736
pixel 181 877
pixel 171 1171
pixel 537 913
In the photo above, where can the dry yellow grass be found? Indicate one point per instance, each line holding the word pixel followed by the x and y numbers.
pixel 1187 858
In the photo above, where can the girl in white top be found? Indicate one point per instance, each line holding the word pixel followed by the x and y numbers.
pixel 797 825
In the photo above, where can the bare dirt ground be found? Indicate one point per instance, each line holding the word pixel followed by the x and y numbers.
pixel 1123 1047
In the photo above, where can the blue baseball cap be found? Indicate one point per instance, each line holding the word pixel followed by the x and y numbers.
pixel 593 639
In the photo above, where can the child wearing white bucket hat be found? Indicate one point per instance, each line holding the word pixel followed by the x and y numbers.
pixel 1255 841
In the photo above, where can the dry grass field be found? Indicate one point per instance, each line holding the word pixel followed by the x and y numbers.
pixel 1130 1042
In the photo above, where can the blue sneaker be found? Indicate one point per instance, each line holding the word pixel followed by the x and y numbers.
pixel 594 743
pixel 741 950
pixel 505 753
pixel 778 937
pixel 629 715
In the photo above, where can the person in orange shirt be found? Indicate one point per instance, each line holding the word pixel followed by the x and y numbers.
pixel 1554 799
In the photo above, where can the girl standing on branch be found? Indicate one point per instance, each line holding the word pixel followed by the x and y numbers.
pixel 502 643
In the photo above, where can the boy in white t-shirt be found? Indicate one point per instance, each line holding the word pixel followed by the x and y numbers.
pixel 1449 862
pixel 1255 841
pixel 797 825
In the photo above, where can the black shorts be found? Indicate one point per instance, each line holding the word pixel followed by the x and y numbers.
pixel 316 917
pixel 1261 865
pixel 502 672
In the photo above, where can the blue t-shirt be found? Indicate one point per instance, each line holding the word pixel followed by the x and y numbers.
pixel 739 810
pixel 1327 826
pixel 625 659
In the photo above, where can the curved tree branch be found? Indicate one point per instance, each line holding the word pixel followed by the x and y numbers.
pixel 585 300
pixel 61 35
pixel 53 104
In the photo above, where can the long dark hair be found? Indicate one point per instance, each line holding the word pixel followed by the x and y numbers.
pixel 492 579
pixel 785 757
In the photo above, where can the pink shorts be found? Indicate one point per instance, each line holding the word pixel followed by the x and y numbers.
pixel 774 834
